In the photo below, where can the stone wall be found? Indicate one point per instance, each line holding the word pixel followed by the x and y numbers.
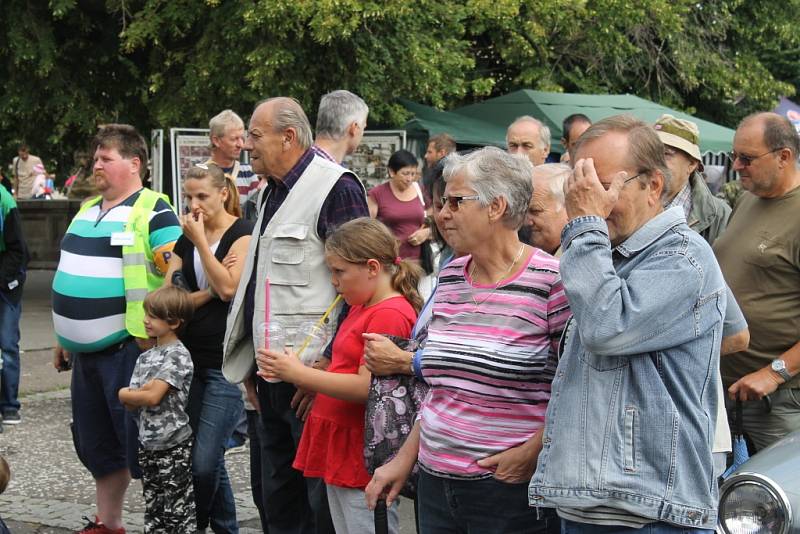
pixel 44 223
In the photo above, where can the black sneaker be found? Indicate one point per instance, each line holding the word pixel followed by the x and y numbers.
pixel 12 418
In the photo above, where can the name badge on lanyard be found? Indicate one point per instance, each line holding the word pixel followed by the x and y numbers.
pixel 122 239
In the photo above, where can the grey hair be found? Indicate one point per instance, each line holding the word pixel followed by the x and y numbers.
pixel 221 121
pixel 554 175
pixel 645 149
pixel 337 111
pixel 289 113
pixel 544 131
pixel 494 173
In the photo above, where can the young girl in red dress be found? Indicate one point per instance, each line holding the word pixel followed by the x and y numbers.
pixel 381 289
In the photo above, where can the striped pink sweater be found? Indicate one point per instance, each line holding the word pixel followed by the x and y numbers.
pixel 489 367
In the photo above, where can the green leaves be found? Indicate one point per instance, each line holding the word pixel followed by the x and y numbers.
pixel 69 65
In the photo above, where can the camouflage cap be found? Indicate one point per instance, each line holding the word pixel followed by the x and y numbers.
pixel 679 133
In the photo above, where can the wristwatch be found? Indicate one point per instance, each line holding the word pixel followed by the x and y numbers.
pixel 779 366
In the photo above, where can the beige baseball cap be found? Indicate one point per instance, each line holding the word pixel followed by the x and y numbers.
pixel 679 133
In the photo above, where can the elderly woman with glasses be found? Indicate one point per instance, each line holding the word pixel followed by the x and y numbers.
pixel 498 315
pixel 400 205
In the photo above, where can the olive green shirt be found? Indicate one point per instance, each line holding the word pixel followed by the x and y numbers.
pixel 760 258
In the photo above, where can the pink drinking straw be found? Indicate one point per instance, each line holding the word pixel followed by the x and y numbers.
pixel 266 313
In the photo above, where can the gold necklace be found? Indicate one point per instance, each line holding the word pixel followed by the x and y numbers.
pixel 497 284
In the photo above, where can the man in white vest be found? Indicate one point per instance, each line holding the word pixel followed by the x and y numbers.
pixel 306 197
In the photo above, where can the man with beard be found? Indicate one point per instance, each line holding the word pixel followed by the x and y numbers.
pixel 114 252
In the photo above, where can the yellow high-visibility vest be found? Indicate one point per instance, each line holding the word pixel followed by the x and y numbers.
pixel 139 273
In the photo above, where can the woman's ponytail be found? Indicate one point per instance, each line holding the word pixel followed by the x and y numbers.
pixel 232 203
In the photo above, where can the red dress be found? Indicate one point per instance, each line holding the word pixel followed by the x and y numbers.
pixel 332 445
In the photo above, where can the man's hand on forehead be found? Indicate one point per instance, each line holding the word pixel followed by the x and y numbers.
pixel 585 194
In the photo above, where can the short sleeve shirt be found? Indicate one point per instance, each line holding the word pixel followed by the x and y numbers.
pixel 88 287
pixel 166 425
pixel 759 255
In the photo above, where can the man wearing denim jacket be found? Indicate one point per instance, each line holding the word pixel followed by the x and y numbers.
pixel 630 424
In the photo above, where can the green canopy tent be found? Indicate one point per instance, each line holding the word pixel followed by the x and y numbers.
pixel 495 114
pixel 429 121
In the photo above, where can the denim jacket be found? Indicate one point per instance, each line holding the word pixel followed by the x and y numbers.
pixel 631 419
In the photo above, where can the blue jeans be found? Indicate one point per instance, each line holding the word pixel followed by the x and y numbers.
pixel 571 527
pixel 9 346
pixel 485 506
pixel 214 406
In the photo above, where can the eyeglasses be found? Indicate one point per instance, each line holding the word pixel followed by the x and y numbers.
pixel 747 160
pixel 635 176
pixel 454 201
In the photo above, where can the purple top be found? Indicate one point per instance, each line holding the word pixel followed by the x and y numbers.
pixel 403 217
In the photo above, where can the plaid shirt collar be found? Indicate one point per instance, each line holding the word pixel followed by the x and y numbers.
pixel 682 199
pixel 295 172
pixel 323 153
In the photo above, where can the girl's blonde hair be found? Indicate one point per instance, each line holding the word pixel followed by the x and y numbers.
pixel 219 180
pixel 364 239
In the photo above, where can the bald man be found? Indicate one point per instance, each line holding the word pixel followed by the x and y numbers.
pixel 528 135
pixel 307 195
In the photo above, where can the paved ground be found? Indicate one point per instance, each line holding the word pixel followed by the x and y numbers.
pixel 50 491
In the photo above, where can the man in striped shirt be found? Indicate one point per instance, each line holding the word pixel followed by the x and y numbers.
pixel 113 252
pixel 226 131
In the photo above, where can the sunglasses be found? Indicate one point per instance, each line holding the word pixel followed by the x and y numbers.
pixel 454 201
pixel 747 160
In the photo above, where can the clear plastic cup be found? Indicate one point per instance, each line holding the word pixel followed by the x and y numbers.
pixel 310 340
pixel 272 336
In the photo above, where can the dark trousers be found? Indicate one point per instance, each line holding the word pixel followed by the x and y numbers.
pixel 449 506
pixel 105 435
pixel 9 354
pixel 255 431
pixel 293 504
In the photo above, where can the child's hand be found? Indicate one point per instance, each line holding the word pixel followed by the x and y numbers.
pixel 124 396
pixel 284 365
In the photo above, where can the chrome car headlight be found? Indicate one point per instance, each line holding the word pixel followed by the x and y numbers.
pixel 752 504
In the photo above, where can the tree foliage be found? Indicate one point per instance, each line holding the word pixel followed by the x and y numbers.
pixel 69 65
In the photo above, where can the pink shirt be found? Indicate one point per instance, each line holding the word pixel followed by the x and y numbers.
pixel 489 367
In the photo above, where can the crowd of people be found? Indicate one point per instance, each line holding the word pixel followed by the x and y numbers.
pixel 568 370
